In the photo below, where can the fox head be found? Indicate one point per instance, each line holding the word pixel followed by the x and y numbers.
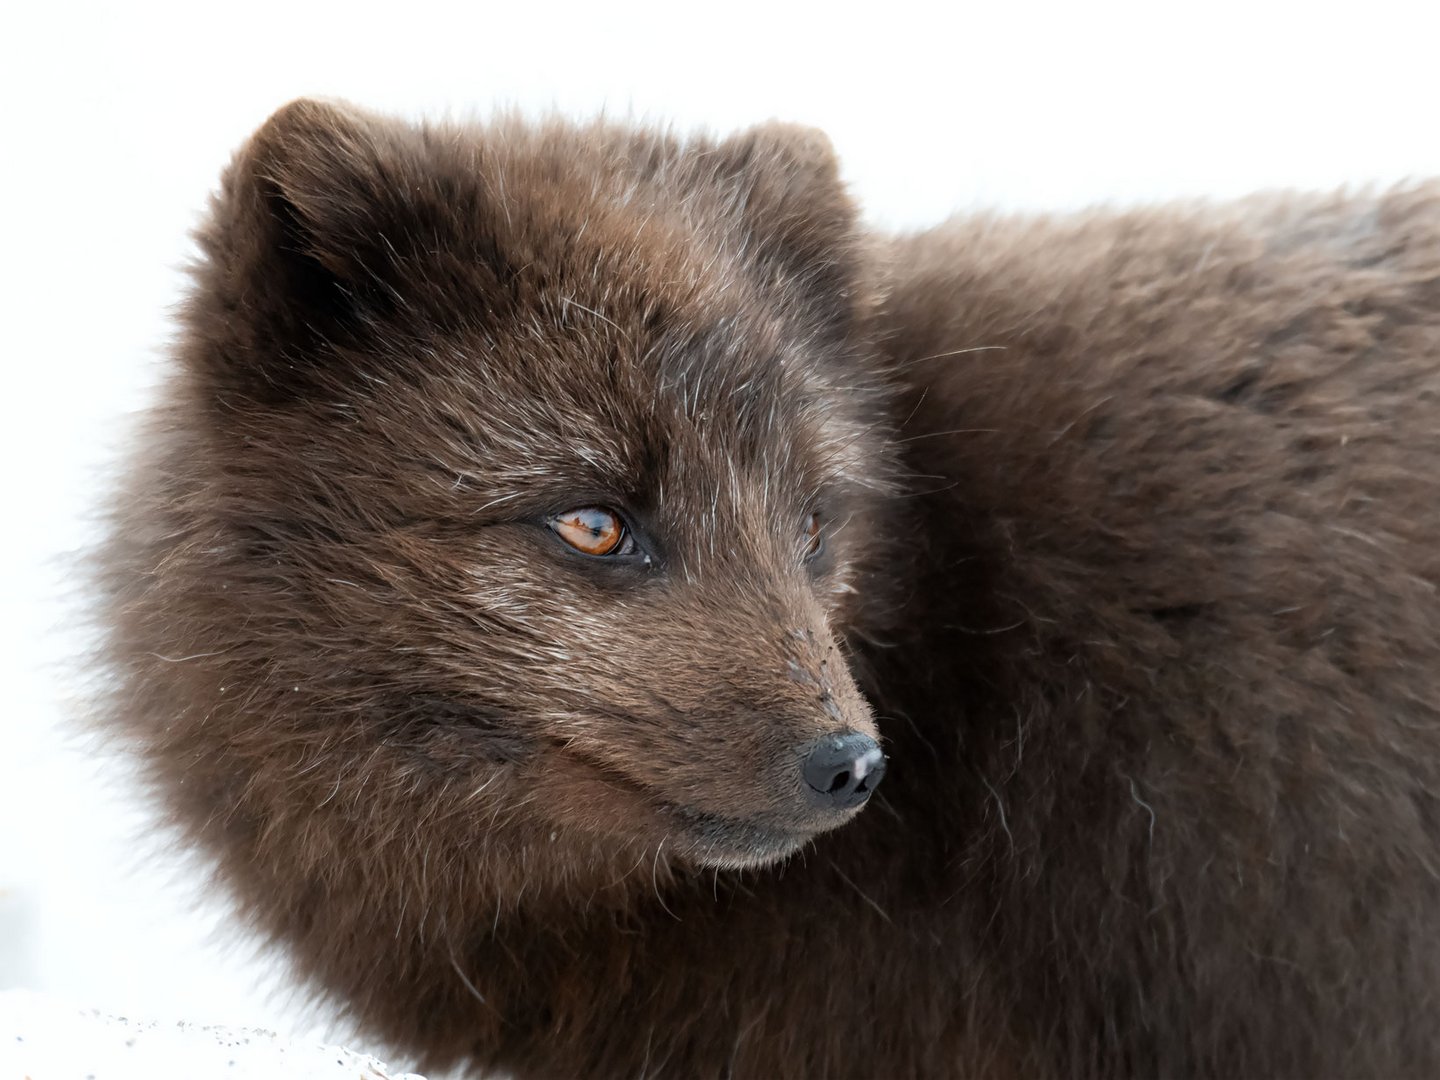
pixel 508 513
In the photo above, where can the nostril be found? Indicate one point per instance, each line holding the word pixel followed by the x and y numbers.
pixel 842 770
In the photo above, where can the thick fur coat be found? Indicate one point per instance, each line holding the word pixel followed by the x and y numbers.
pixel 1119 532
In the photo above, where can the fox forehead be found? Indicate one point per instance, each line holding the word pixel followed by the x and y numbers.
pixel 586 408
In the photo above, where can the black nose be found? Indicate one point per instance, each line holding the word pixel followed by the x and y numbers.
pixel 844 769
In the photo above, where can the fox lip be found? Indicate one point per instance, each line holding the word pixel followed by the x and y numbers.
pixel 711 840
pixel 704 837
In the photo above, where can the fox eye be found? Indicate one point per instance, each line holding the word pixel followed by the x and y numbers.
pixel 813 535
pixel 593 530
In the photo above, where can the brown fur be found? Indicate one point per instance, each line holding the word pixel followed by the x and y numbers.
pixel 1151 631
pixel 1181 551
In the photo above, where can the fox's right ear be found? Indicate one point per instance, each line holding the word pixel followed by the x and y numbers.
pixel 803 223
pixel 296 259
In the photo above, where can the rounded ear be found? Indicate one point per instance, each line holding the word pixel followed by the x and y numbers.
pixel 803 221
pixel 296 253
pixel 319 168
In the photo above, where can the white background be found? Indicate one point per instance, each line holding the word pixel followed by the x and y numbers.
pixel 118 119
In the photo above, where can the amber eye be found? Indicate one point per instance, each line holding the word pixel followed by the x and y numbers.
pixel 812 534
pixel 593 530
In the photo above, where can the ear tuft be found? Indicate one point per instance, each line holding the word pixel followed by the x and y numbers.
pixel 294 257
pixel 806 152
pixel 797 208
pixel 325 161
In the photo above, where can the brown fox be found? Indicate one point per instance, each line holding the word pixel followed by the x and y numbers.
pixel 551 536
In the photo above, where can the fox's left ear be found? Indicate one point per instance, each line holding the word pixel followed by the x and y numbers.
pixel 804 224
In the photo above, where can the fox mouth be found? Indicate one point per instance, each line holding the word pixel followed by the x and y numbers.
pixel 712 841
pixel 701 837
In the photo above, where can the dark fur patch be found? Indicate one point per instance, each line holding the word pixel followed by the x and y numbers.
pixel 1196 684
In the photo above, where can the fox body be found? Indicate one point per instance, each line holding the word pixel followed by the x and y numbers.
pixel 546 528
